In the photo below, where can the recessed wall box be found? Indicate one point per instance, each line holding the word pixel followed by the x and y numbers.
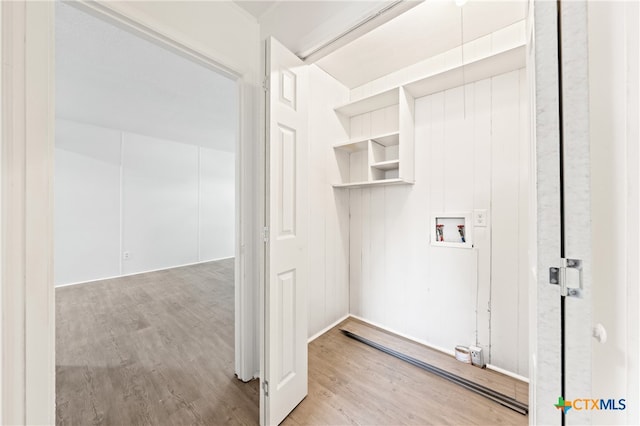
pixel 451 230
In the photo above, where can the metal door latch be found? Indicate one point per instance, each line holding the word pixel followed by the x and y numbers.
pixel 559 276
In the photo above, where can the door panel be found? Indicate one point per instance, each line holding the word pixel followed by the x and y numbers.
pixel 285 335
pixel 546 380
pixel 562 336
pixel 577 205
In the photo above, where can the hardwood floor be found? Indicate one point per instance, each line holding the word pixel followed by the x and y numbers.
pixel 352 383
pixel 157 349
pixel 151 349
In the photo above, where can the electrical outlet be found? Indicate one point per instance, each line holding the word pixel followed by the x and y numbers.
pixel 126 255
pixel 476 356
pixel 480 218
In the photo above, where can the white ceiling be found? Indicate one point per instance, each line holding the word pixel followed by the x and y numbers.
pixel 111 78
pixel 108 77
pixel 426 30
pixel 303 25
pixel 256 8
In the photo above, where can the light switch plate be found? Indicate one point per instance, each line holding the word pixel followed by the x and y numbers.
pixel 480 218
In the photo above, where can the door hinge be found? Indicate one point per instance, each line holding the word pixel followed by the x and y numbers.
pixel 558 276
pixel 265 234
pixel 265 387
pixel 265 83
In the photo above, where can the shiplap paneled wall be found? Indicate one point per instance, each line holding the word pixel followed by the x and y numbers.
pixel 367 125
pixel 328 208
pixel 471 153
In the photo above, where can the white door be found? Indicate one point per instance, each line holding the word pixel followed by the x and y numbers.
pixel 284 371
pixel 562 340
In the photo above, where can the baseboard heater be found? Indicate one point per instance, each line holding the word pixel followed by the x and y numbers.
pixel 498 397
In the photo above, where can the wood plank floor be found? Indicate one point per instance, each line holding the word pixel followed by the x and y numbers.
pixel 157 349
pixel 352 383
pixel 151 349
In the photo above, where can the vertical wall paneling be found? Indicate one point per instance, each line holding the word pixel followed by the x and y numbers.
pixel 412 221
pixel 367 301
pixel 329 250
pixel 380 287
pixel 471 143
pixel 481 111
pixel 356 252
pixel 504 200
pixel 317 249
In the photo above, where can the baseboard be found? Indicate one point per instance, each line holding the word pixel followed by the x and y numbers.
pixel 143 272
pixel 324 330
pixel 507 373
pixel 439 349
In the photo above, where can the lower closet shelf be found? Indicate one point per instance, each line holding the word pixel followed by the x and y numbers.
pixel 382 182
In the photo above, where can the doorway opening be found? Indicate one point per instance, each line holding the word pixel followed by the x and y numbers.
pixel 147 230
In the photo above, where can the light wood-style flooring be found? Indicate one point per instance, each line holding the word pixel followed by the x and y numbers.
pixel 352 383
pixel 151 349
pixel 157 349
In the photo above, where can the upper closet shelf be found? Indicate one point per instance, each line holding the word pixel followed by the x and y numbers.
pixel 370 103
pixel 500 63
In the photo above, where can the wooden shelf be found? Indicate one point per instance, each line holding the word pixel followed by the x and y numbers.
pixel 353 146
pixel 370 103
pixel 383 182
pixel 386 165
pixel 509 60
pixel 388 139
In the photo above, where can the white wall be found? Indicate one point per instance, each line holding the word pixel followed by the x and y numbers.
pixel 217 202
pixel 471 153
pixel 613 89
pixel 87 203
pixel 328 208
pixel 165 203
pixel 159 203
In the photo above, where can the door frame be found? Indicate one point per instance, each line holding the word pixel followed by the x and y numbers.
pixel 27 114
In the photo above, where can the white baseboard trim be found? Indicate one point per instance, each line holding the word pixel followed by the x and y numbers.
pixel 437 348
pixel 142 272
pixel 324 330
pixel 507 373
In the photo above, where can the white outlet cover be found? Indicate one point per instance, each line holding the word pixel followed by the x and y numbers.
pixel 480 218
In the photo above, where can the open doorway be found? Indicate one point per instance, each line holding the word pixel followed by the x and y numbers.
pixel 403 143
pixel 146 231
